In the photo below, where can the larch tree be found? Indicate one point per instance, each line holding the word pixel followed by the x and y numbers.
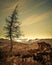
pixel 13 28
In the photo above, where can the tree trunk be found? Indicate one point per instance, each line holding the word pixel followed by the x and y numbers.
pixel 11 47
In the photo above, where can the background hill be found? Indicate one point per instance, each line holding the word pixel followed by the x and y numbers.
pixel 22 46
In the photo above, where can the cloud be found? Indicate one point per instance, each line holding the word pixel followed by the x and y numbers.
pixel 32 3
pixel 35 18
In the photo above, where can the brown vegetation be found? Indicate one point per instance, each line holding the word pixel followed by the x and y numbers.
pixel 25 55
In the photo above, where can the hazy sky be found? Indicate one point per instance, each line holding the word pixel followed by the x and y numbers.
pixel 35 16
